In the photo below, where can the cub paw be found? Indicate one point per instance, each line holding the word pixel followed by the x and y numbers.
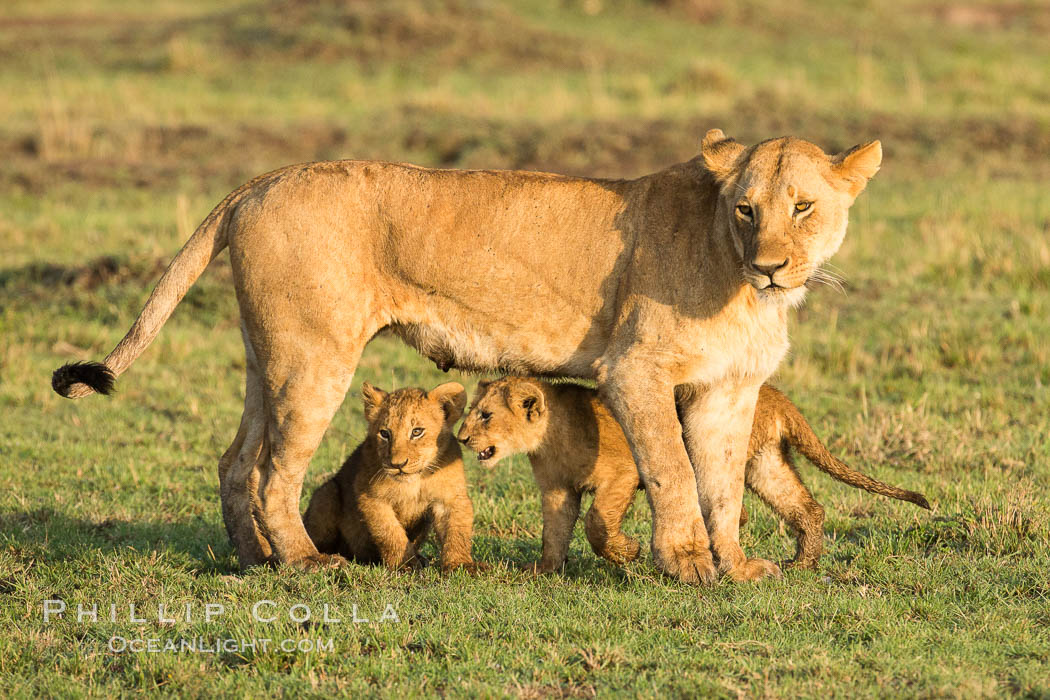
pixel 755 570
pixel 540 568
pixel 622 552
pixel 804 563
pixel 320 562
pixel 415 562
pixel 471 567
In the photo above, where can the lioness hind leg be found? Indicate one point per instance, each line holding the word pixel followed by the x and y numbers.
pixel 772 476
pixel 612 499
pixel 239 477
pixel 300 405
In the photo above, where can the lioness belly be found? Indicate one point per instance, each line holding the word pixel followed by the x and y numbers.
pixel 490 347
pixel 503 271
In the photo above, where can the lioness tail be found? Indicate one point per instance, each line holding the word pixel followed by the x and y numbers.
pixel 78 379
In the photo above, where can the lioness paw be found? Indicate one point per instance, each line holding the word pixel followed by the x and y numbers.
pixel 685 560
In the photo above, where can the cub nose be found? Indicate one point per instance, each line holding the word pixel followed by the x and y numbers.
pixel 769 268
pixel 465 439
pixel 400 466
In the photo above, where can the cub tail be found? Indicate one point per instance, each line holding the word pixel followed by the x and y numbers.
pixel 801 436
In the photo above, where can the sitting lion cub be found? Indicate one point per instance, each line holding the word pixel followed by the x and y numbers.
pixel 406 476
pixel 575 445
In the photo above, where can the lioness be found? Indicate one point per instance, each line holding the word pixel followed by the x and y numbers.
pixel 682 277
pixel 405 477
pixel 575 446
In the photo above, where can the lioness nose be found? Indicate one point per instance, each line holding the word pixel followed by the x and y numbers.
pixel 464 440
pixel 768 268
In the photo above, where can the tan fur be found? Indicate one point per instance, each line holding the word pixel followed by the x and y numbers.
pixel 642 285
pixel 771 474
pixel 575 446
pixel 398 483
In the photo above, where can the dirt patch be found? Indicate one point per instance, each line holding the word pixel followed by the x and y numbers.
pixel 165 157
pixel 988 16
pixel 700 11
pixel 162 156
pixel 106 270
pixel 446 33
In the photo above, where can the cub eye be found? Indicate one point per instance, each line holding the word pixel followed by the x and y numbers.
pixel 744 209
pixel 384 434
pixel 416 432
pixel 802 206
pixel 485 415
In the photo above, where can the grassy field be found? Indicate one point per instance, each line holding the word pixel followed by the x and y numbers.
pixel 122 124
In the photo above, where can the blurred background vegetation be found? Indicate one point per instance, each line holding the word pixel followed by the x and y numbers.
pixel 122 123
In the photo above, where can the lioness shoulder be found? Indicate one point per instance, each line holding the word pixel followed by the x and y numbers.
pixel 403 479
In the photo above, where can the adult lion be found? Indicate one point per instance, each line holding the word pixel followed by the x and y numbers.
pixel 682 278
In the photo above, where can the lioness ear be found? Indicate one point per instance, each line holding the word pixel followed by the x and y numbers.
pixel 453 399
pixel 858 165
pixel 528 398
pixel 720 153
pixel 373 398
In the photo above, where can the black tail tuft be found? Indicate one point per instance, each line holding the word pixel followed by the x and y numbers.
pixel 95 374
pixel 921 501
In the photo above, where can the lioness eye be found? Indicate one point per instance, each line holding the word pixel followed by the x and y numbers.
pixel 744 209
pixel 416 432
pixel 803 206
pixel 485 415
pixel 385 434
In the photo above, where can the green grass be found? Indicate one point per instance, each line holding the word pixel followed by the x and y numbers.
pixel 121 127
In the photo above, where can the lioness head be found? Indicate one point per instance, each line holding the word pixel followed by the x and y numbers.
pixel 787 203
pixel 410 427
pixel 508 416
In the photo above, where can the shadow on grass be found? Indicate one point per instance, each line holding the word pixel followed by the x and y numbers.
pixel 46 534
pixel 201 547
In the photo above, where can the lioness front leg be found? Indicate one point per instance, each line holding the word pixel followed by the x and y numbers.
pixel 561 508
pixel 716 425
pixel 643 403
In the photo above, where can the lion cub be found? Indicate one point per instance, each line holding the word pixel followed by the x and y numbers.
pixel 405 477
pixel 576 445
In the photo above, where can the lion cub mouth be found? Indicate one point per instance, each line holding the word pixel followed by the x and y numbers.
pixel 487 453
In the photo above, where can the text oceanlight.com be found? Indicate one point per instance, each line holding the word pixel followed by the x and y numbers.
pixel 202 645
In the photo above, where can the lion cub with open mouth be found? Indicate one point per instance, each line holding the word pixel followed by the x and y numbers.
pixel 575 445
pixel 406 477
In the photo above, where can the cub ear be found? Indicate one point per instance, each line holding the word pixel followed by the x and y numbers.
pixel 373 398
pixel 858 165
pixel 453 399
pixel 527 398
pixel 720 153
